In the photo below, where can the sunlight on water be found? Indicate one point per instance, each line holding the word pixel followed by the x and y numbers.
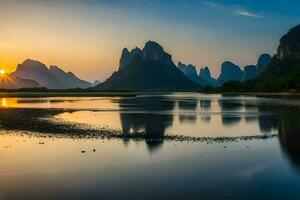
pixel 33 155
pixel 189 115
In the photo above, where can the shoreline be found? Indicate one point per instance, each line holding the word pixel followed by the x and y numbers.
pixel 32 94
pixel 40 122
pixel 264 94
pixel 24 94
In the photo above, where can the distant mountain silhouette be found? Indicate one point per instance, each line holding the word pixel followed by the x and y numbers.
pixel 249 72
pixel 53 78
pixel 205 74
pixel 96 82
pixel 289 46
pixel 68 79
pixel 252 71
pixel 230 72
pixel 191 72
pixel 262 63
pixel 150 69
pixel 13 82
pixel 283 71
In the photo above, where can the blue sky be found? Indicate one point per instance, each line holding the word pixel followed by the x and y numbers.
pixel 87 36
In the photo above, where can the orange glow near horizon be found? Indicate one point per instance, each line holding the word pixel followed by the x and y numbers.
pixel 78 37
pixel 9 63
pixel 7 102
pixel 2 72
pixel 4 103
pixel 5 78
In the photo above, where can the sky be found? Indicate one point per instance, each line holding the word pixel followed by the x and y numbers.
pixel 87 36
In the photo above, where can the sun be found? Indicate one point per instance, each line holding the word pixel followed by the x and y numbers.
pixel 2 72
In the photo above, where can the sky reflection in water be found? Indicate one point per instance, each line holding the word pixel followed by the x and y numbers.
pixel 189 115
pixel 119 169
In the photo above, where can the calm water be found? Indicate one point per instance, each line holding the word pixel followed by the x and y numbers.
pixel 38 167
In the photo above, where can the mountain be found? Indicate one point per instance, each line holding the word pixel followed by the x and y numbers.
pixel 96 82
pixel 249 72
pixel 150 69
pixel 283 71
pixel 205 74
pixel 13 82
pixel 37 71
pixel 230 72
pixel 129 57
pixel 53 78
pixel 262 63
pixel 68 79
pixel 289 46
pixel 191 72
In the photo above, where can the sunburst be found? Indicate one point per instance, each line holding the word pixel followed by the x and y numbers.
pixel 5 78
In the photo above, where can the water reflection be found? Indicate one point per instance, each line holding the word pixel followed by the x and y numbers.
pixel 149 123
pixel 228 110
pixel 231 105
pixel 190 104
pixel 188 119
pixel 160 115
pixel 157 116
pixel 131 170
pixel 205 119
pixel 205 104
pixel 7 102
pixel 187 105
pixel 289 135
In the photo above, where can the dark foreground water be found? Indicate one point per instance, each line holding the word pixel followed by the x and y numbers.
pixel 66 167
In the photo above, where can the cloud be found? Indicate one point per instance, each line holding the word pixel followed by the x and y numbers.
pixel 211 4
pixel 249 14
pixel 233 9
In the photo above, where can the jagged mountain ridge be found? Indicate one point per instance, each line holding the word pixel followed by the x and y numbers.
pixel 283 71
pixel 191 72
pixel 229 72
pixel 68 79
pixel 206 75
pixel 52 78
pixel 150 69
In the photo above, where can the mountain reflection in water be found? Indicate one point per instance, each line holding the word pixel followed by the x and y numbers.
pixel 83 157
pixel 180 114
pixel 152 124
pixel 289 135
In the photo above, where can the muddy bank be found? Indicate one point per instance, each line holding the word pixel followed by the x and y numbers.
pixel 39 122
